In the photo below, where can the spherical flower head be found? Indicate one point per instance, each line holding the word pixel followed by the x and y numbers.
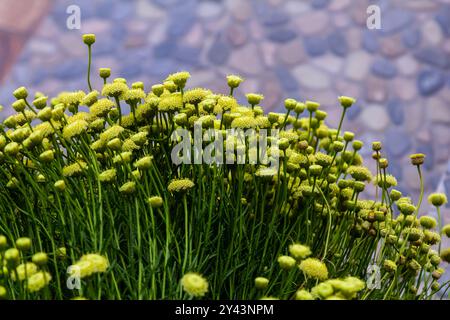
pixel 179 78
pixel 158 89
pixel 155 202
pixel 40 258
pixel 261 283
pixel 359 173
pixel 445 255
pixel 47 156
pixel 322 290
pixel 195 96
pixel 38 281
pixel 406 208
pixel 171 103
pixel 71 98
pixel 20 93
pixel 385 181
pixel 170 86
pixel 19 105
pixel 99 263
pixel 40 103
pixel 12 148
pixel 312 106
pixel 107 175
pixel 234 81
pixel 446 230
pixel 357 145
pixel 413 234
pixel 23 244
pixel 299 251
pixel 376 146
pixel 303 294
pixel 390 266
pixel 60 185
pixel 3 242
pixel 133 96
pixel 346 102
pixel 417 159
pixel 128 187
pixel 337 146
pixel 194 284
pixel 3 293
pixel 437 199
pixel 254 98
pixel 286 262
pixel 24 271
pixel 314 268
pixel 320 115
pixel 144 163
pixel 244 122
pixel 75 129
pixel 74 169
pixel 104 72
pixel 315 170
pixel 428 222
pixel 115 89
pixel 180 185
pixel 111 133
pixel 89 39
pixel 12 256
pixel 90 98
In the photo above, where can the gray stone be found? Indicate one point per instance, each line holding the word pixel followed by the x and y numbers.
pixel 407 65
pixel 432 32
pixel 433 56
pixel 438 110
pixel 291 53
pixel 237 35
pixel 209 9
pixel 375 117
pixel 357 65
pixel 398 143
pixel 320 4
pixel 391 47
pixel 395 20
pixel 370 41
pixel 383 68
pixel 282 35
pixel 429 82
pixel 162 68
pixel 338 44
pixel 443 18
pixel 270 16
pixel 219 52
pixel 70 69
pixel 164 49
pixel 288 82
pixel 181 21
pixel 247 60
pixel 312 23
pixel 188 55
pixel 411 37
pixel 311 77
pixel 396 111
pixel 315 46
pixel 376 89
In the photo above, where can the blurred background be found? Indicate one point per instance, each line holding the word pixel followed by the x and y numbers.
pixel 305 49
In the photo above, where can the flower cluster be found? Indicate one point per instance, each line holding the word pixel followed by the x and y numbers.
pixel 91 171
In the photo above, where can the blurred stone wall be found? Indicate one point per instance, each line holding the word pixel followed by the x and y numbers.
pixel 306 49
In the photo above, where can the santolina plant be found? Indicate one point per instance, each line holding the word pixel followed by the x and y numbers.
pixel 92 205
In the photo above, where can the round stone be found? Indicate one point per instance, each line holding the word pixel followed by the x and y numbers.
pixel 375 117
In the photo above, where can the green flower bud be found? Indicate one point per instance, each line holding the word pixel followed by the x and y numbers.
pixel 60 185
pixel 12 257
pixel 144 163
pixel 302 294
pixel 346 102
pixel 428 222
pixel 234 81
pixel 286 262
pixel 299 107
pixel 376 146
pixel 12 148
pixel 312 106
pixel 104 73
pixel 20 93
pixel 261 283
pixel 40 102
pixel 283 144
pixel 446 230
pixel 417 159
pixel 47 156
pixel 290 104
pixel 155 202
pixel 395 195
pixel 19 105
pixel 437 199
pixel 3 243
pixel 254 98
pixel 158 89
pixel 40 258
pixel 115 144
pixel 315 170
pixel 128 187
pixel 89 39
pixel 337 146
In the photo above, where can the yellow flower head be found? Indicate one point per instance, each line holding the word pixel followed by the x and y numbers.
pixel 75 129
pixel 38 281
pixel 299 251
pixel 314 268
pixel 194 284
pixel 180 185
pixel 101 107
